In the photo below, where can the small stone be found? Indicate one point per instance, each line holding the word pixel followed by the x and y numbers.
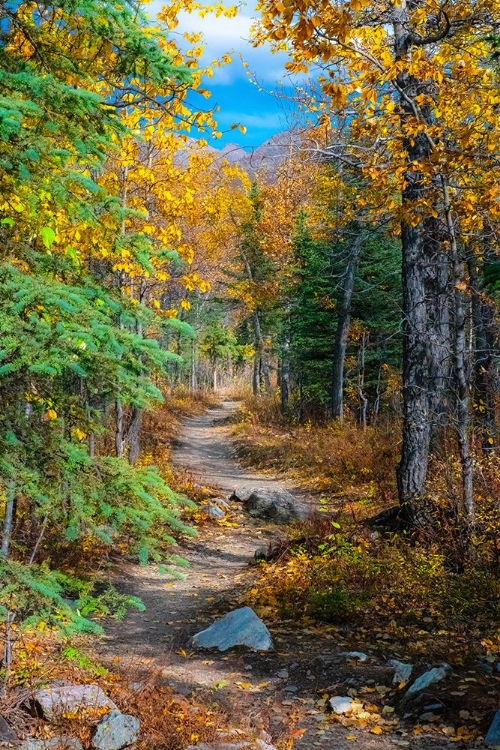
pixel 135 686
pixel 358 655
pixel 283 674
pixel 427 678
pixel 428 716
pixel 291 689
pixel 241 627
pixel 340 704
pixel 68 699
pixel 402 673
pixel 116 731
pixel 215 512
pixel 54 743
pixel 276 505
pixel 6 733
pixel 261 554
pixel 493 735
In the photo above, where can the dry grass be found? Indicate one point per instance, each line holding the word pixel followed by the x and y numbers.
pixel 352 469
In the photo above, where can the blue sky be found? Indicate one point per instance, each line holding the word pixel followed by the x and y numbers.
pixel 240 99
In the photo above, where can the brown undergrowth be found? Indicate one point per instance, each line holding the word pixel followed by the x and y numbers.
pixel 344 466
pixel 168 721
pixel 426 597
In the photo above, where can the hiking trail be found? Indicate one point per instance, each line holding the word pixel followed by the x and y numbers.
pixel 258 689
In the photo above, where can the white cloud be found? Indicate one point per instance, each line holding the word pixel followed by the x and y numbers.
pixel 231 35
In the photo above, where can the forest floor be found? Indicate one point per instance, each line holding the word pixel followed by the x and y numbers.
pixel 283 691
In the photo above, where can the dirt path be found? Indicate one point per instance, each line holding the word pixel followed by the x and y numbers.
pixel 261 690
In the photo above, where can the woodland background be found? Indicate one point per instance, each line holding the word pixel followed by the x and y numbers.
pixel 344 279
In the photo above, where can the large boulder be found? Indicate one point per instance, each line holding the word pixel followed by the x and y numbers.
pixel 116 731
pixel 276 505
pixel 241 627
pixel 57 701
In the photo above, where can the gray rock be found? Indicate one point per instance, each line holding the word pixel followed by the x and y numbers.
pixel 250 745
pixel 485 667
pixel 340 704
pixel 115 731
pixel 291 689
pixel 261 554
pixel 6 733
pixel 241 494
pixel 282 674
pixel 241 627
pixel 493 735
pixel 56 701
pixel 274 505
pixel 215 512
pixel 55 743
pixel 359 655
pixel 427 678
pixel 402 671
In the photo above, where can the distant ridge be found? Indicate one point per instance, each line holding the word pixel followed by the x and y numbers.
pixel 266 157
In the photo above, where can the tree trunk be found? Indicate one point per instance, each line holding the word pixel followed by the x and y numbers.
pixel 261 348
pixel 134 434
pixel 412 469
pixel 483 373
pixel 119 430
pixel 284 379
pixel 460 365
pixel 342 332
pixel 440 346
pixel 8 522
pixel 361 383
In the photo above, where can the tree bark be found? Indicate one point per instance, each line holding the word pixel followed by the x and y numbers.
pixel 342 332
pixel 440 347
pixel 134 434
pixel 413 466
pixel 284 379
pixel 119 430
pixel 8 522
pixel 460 364
pixel 483 370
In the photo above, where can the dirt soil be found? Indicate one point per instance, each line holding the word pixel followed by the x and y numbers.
pixel 258 690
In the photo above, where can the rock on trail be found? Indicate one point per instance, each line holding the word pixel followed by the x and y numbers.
pixel 241 627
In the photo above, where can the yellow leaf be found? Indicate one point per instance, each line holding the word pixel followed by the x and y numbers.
pixel 376 730
pixel 51 414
